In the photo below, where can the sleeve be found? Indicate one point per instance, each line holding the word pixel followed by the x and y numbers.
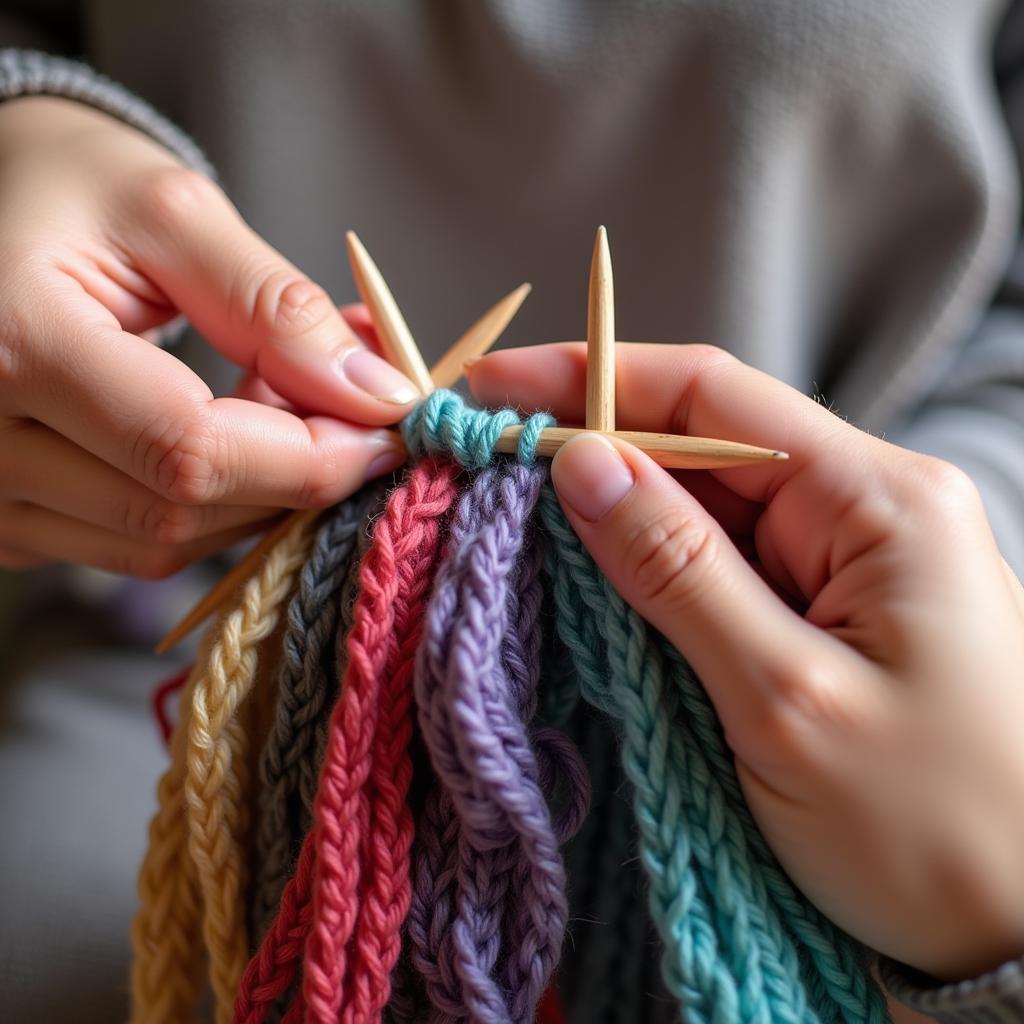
pixel 976 419
pixel 993 998
pixel 33 73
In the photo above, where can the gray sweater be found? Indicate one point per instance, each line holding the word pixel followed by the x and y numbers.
pixel 828 189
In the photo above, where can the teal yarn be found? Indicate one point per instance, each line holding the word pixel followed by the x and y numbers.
pixel 740 944
pixel 443 424
pixel 731 921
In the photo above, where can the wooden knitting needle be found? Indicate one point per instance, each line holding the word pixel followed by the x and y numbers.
pixel 668 450
pixel 475 342
pixel 600 413
pixel 396 342
pixel 478 339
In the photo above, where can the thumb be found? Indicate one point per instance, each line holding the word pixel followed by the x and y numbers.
pixel 257 308
pixel 676 567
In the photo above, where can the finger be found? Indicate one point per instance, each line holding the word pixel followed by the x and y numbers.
pixel 678 389
pixel 171 435
pixel 40 467
pixel 254 388
pixel 31 533
pixel 672 562
pixel 357 316
pixel 256 307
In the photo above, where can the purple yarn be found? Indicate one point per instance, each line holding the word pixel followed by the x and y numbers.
pixel 489 907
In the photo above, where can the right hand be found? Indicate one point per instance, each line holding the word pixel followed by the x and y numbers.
pixel 112 452
pixel 852 620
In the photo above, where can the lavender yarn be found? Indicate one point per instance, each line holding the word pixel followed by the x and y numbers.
pixel 489 908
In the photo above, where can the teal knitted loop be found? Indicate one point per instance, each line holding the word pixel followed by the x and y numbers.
pixel 442 424
pixel 741 945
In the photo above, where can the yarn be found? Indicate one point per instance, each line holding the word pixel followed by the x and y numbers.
pixel 167 962
pixel 162 696
pixel 728 916
pixel 167 951
pixel 487 901
pixel 318 907
pixel 215 777
pixel 488 910
pixel 304 686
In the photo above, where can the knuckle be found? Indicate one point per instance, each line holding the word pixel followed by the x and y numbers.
pixel 669 554
pixel 322 486
pixel 170 195
pixel 14 331
pixel 288 305
pixel 946 482
pixel 162 521
pixel 806 703
pixel 712 354
pixel 179 459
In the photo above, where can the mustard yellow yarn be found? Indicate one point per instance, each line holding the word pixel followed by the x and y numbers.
pixel 167 962
pixel 217 770
pixel 192 882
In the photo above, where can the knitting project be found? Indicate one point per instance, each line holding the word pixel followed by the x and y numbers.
pixel 370 811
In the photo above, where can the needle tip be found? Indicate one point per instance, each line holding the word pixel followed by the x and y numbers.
pixel 780 456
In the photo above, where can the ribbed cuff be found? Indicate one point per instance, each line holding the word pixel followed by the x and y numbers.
pixel 31 73
pixel 993 998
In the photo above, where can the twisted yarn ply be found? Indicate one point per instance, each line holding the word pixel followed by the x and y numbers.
pixel 306 686
pixel 216 791
pixel 489 908
pixel 730 920
pixel 463 873
pixel 181 894
pixel 319 909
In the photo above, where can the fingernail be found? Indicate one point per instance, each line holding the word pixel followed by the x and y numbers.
pixel 386 462
pixel 469 363
pixel 591 476
pixel 377 378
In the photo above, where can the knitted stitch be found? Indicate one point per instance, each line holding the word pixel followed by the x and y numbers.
pixel 394 575
pixel 304 688
pixel 726 913
pixel 215 778
pixel 488 877
pixel 740 942
pixel 167 959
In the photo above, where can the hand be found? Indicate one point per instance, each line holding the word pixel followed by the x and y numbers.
pixel 112 452
pixel 851 618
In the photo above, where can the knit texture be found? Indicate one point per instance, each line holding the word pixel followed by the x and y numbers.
pixel 190 884
pixel 216 775
pixel 488 897
pixel 364 780
pixel 489 906
pixel 306 687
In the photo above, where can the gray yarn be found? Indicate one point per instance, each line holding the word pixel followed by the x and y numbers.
pixel 306 689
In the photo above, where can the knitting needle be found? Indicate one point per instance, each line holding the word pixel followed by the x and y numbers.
pixel 478 339
pixel 669 450
pixel 396 341
pixel 475 342
pixel 600 413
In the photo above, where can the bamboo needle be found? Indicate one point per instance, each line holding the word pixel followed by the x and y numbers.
pixel 668 450
pixel 478 339
pixel 601 339
pixel 396 341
